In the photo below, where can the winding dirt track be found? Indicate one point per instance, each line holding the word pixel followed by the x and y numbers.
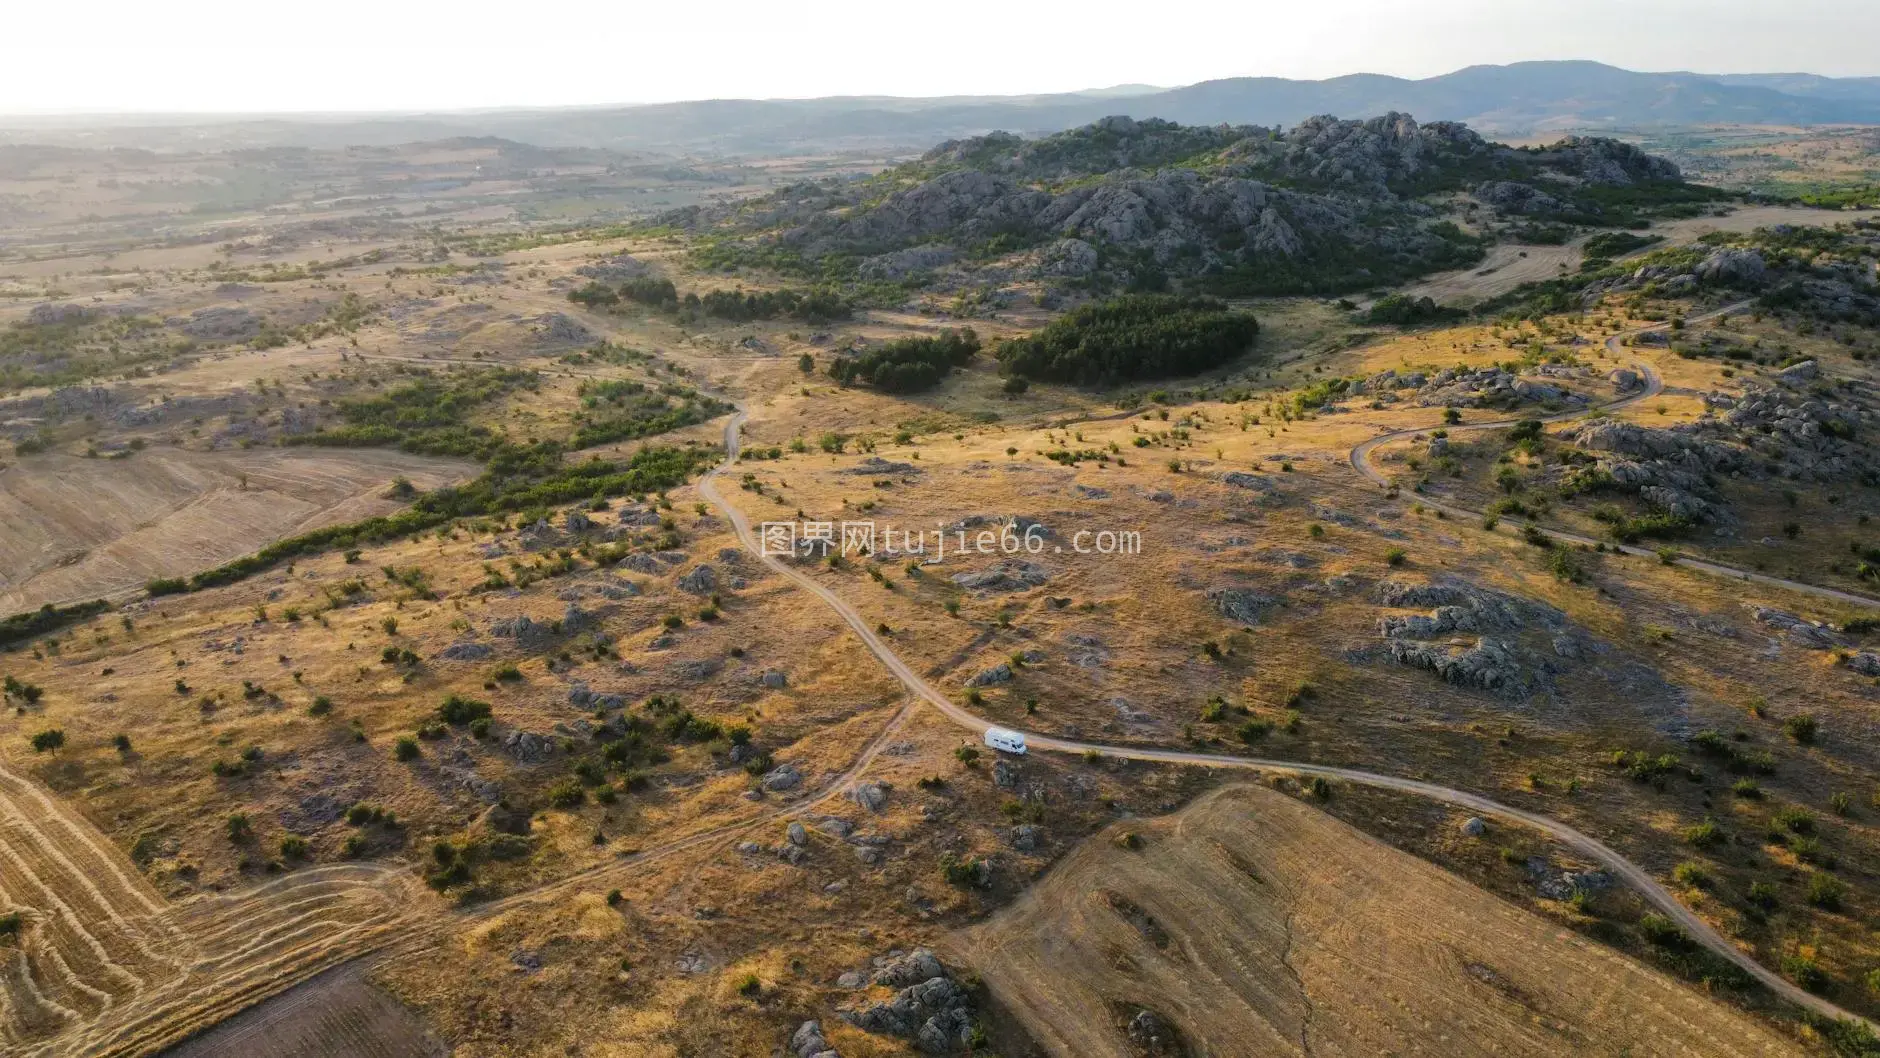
pixel 1654 385
pixel 1634 875
pixel 115 970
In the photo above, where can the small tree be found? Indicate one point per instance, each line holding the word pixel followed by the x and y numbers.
pixel 1802 727
pixel 49 741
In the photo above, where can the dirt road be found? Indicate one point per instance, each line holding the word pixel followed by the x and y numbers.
pixel 1632 874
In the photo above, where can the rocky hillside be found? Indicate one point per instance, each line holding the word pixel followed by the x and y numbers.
pixel 1325 206
pixel 1828 274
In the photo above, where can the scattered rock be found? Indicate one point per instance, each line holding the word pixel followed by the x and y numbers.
pixel 1255 482
pixel 528 747
pixel 1474 826
pixel 562 329
pixel 702 580
pixel 808 1042
pixel 1242 605
pixel 870 795
pixel 875 466
pixel 1795 374
pixel 1006 575
pixel 1000 673
pixel 1797 630
pixel 782 777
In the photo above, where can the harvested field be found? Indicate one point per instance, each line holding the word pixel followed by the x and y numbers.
pixel 88 528
pixel 1258 925
pixel 103 965
pixel 338 1012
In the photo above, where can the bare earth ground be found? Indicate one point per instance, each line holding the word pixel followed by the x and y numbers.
pixel 337 1012
pixel 1257 925
pixel 1509 265
pixel 90 528
pixel 145 921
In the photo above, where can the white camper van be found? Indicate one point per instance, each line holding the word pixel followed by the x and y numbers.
pixel 1005 741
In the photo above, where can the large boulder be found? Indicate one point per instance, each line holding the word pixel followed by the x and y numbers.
pixel 1733 267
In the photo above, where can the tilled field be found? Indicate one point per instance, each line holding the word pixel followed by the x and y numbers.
pixel 1255 924
pixel 78 529
pixel 103 965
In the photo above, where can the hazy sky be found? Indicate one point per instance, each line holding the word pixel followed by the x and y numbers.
pixel 222 55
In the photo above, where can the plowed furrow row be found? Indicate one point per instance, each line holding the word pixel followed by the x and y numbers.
pixel 107 863
pixel 200 1007
pixel 60 926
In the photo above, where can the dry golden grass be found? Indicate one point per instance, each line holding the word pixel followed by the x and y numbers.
pixel 81 529
pixel 1124 659
pixel 1254 924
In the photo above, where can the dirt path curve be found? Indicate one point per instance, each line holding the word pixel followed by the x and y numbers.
pixel 1634 875
pixel 1361 462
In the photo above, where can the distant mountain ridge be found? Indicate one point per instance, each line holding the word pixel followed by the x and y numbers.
pixel 1513 100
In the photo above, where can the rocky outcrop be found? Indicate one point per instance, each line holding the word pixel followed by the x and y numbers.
pixel 1006 575
pixel 616 269
pixel 1490 387
pixel 559 328
pixel 781 778
pixel 528 747
pixel 701 580
pixel 1243 605
pixel 1436 641
pixel 1124 196
pixel 1000 673
pixel 1510 196
pixel 931 1009
pixel 1797 630
pixel 1733 267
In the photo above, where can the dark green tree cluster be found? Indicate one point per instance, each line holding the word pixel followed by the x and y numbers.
pixel 908 365
pixel 1131 337
pixel 622 410
pixel 1402 310
pixel 810 306
pixel 427 416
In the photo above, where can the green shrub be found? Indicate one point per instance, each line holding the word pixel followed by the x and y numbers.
pixel 458 710
pixel 1802 727
pixel 1825 891
pixel 1805 972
